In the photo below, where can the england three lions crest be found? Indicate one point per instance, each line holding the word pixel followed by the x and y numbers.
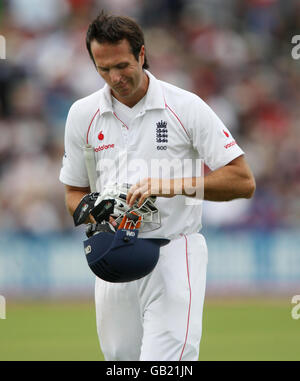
pixel 161 135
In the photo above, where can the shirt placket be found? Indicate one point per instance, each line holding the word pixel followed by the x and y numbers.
pixel 125 134
pixel 134 127
pixel 124 129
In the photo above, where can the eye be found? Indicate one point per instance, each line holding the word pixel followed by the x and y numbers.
pixel 103 69
pixel 122 66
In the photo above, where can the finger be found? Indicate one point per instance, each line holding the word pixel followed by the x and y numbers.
pixel 135 195
pixel 130 192
pixel 143 197
pixel 142 193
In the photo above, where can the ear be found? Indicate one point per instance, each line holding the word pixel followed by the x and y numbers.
pixel 142 55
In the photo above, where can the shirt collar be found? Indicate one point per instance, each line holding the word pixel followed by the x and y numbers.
pixel 105 100
pixel 154 98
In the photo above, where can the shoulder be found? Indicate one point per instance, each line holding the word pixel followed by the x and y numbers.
pixel 187 106
pixel 176 94
pixel 83 109
pixel 180 98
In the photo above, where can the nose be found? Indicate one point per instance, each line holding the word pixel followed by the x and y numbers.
pixel 115 76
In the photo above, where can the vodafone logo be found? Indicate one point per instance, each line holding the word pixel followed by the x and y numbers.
pixel 226 134
pixel 100 136
pixel 101 148
pixel 230 144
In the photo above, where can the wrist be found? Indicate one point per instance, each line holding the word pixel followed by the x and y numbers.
pixel 193 187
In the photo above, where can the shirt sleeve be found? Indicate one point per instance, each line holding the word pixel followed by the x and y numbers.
pixel 210 137
pixel 73 171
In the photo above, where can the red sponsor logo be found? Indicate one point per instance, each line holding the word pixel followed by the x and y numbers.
pixel 101 148
pixel 230 144
pixel 226 134
pixel 100 136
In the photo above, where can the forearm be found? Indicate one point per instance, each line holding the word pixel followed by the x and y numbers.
pixel 234 180
pixel 213 187
pixel 72 200
pixel 225 184
pixel 73 197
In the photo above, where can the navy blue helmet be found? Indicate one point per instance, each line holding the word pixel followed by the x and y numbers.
pixel 114 252
pixel 122 256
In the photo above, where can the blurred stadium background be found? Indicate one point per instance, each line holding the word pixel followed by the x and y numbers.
pixel 234 54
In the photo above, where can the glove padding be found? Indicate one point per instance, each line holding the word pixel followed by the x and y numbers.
pixel 84 208
pixel 103 210
pixel 100 212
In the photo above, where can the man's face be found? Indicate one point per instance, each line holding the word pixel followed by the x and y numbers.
pixel 119 68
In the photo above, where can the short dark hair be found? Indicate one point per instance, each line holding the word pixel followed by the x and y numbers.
pixel 113 29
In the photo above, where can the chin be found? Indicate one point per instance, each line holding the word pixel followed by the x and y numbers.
pixel 126 94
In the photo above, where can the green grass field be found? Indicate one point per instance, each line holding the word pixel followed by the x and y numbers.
pixel 249 329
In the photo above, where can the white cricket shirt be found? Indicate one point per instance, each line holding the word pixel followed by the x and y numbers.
pixel 168 137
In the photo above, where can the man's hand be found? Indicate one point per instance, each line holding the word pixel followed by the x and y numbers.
pixel 153 187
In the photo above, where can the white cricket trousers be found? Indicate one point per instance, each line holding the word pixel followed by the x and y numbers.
pixel 158 317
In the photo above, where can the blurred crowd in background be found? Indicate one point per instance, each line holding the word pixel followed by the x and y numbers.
pixel 236 55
